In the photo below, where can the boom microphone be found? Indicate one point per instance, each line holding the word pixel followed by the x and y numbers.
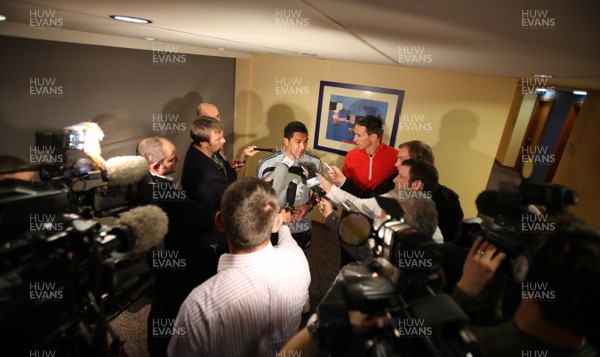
pixel 126 170
pixel 148 225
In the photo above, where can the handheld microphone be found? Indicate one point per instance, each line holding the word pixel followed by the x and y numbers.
pixel 126 170
pixel 313 181
pixel 266 149
pixel 290 197
pixel 148 226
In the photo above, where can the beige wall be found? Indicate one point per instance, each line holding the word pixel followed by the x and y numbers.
pixel 467 112
pixel 579 166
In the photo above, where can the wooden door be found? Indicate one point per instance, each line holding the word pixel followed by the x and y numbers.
pixel 537 124
pixel 562 140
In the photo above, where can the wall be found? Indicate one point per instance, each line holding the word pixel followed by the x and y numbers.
pixel 466 113
pixel 579 167
pixel 126 91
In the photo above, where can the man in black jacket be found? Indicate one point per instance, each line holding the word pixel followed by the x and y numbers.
pixel 206 174
pixel 186 259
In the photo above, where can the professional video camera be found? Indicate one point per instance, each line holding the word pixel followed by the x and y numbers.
pixel 520 215
pixel 63 274
pixel 402 280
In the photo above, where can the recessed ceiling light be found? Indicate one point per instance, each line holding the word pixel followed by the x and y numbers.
pixel 2 17
pixel 579 92
pixel 148 38
pixel 221 49
pixel 542 75
pixel 136 20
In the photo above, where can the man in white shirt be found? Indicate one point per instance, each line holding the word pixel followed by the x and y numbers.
pixel 254 303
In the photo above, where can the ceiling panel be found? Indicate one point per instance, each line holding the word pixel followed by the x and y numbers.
pixel 470 36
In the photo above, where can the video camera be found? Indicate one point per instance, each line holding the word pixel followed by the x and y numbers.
pixel 64 274
pixel 520 215
pixel 402 280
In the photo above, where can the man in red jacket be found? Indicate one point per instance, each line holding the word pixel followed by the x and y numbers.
pixel 369 168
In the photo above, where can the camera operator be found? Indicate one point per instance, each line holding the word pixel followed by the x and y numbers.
pixel 565 264
pixel 184 241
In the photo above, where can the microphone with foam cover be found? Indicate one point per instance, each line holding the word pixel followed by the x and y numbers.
pixel 148 226
pixel 126 170
pixel 279 176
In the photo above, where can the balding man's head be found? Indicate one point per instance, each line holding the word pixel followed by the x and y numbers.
pixel 160 153
pixel 208 110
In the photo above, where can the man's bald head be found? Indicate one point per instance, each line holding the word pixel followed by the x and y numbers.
pixel 208 110
pixel 160 153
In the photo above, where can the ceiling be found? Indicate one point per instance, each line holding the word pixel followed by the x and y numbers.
pixel 470 36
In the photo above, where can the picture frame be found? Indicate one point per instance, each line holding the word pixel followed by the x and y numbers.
pixel 341 104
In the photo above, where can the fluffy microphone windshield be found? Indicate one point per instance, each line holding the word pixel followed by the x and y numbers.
pixel 279 176
pixel 126 170
pixel 149 225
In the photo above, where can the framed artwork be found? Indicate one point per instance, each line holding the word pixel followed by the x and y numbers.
pixel 341 104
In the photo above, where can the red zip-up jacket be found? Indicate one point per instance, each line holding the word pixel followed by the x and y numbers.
pixel 368 172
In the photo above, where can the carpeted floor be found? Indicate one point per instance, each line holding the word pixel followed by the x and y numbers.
pixel 324 261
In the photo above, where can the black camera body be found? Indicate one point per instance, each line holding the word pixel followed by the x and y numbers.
pixel 401 280
pixel 63 274
pixel 59 290
pixel 521 214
